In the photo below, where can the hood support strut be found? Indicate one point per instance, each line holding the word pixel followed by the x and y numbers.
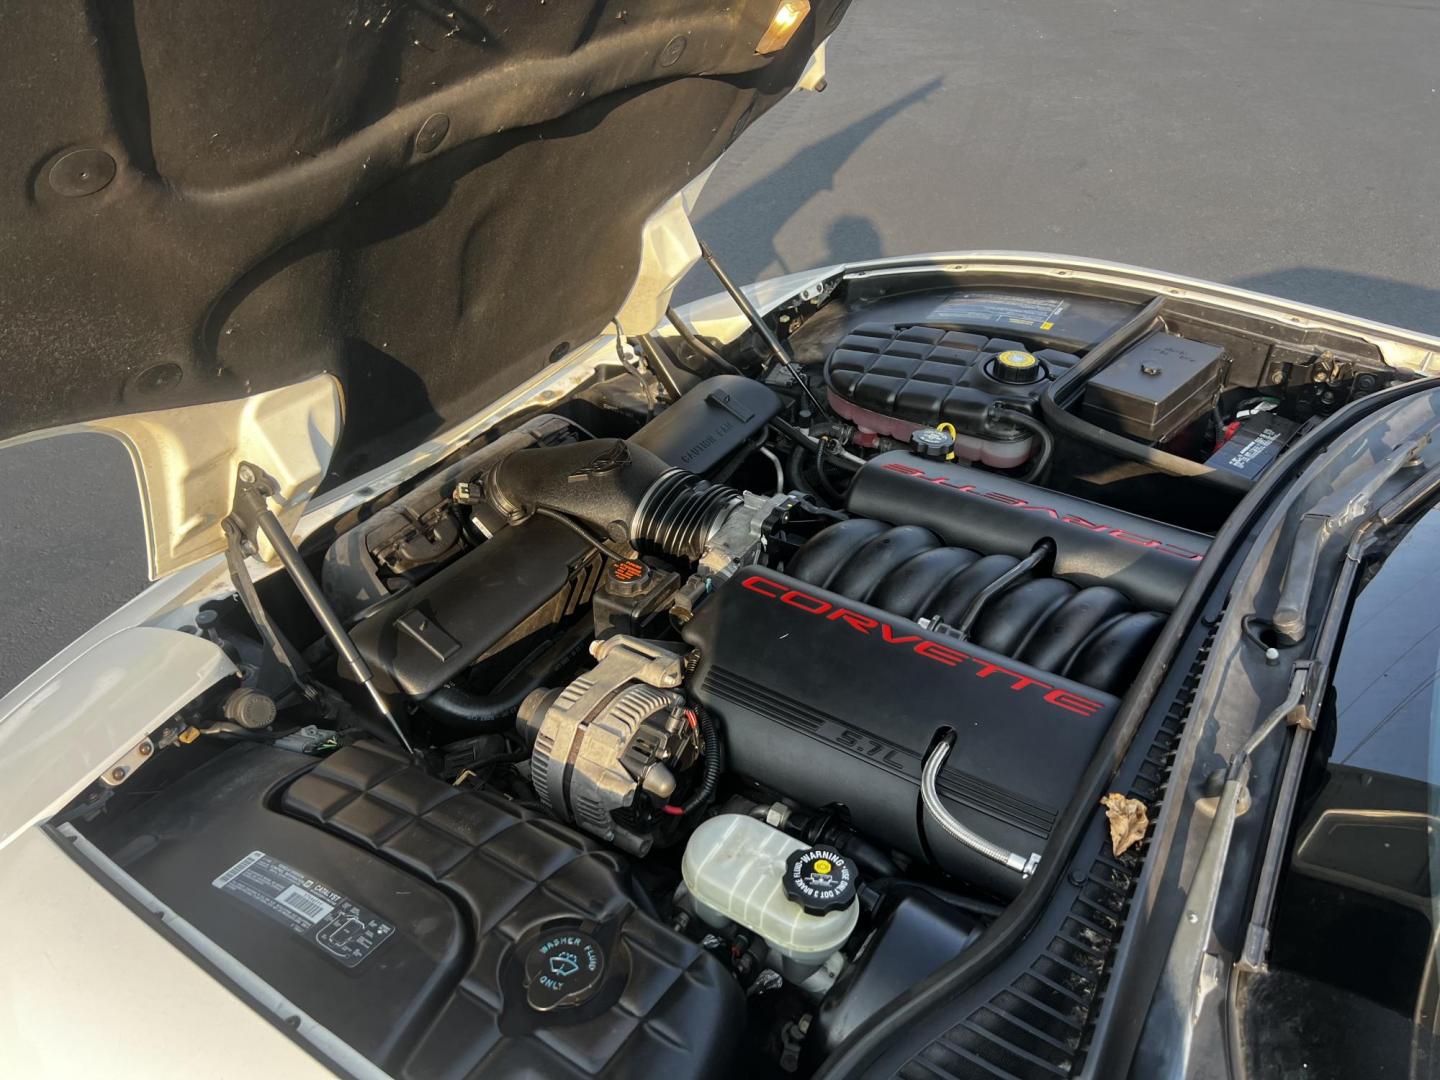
pixel 761 327
pixel 251 516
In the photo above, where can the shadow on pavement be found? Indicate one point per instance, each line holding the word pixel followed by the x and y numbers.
pixel 762 207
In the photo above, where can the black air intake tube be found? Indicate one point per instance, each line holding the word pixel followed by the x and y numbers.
pixel 680 514
pixel 620 490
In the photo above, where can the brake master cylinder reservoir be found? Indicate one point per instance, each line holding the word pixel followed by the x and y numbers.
pixel 800 900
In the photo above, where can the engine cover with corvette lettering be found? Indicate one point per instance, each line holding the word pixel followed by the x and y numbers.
pixel 835 702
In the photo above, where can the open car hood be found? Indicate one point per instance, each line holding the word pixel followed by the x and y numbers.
pixel 390 210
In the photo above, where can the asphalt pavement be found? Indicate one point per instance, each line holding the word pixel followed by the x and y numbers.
pixel 1289 146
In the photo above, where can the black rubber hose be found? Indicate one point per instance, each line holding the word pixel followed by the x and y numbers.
pixel 494 713
pixel 714 761
pixel 613 488
pixel 844 460
pixel 829 489
pixel 479 714
pixel 797 468
pixel 578 529
pixel 870 857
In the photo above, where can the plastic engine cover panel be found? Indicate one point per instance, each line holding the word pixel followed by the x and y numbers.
pixel 1149 561
pixel 463 891
pixel 830 701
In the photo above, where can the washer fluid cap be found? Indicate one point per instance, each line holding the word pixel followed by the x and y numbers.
pixel 563 968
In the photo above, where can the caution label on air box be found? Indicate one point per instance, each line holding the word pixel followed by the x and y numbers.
pixel 335 924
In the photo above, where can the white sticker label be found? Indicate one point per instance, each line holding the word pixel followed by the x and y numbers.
pixel 238 869
pixel 331 921
pixel 303 904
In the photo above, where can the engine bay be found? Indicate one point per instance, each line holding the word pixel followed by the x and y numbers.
pixel 723 702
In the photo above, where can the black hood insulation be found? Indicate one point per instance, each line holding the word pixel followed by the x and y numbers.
pixel 203 200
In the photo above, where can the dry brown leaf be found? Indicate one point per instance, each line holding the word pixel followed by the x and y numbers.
pixel 1128 821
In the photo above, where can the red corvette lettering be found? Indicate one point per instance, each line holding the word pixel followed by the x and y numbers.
pixel 935 651
pixel 988 668
pixel 1123 535
pixel 1073 702
pixel 943 653
pixel 1008 500
pixel 1171 549
pixel 805 602
pixel 1131 538
pixel 908 470
pixel 888 633
pixel 1082 523
pixel 863 623
pixel 756 583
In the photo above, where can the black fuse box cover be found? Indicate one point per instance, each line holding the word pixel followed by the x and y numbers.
pixel 1156 387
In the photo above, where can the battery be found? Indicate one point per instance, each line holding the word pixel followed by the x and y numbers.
pixel 1255 444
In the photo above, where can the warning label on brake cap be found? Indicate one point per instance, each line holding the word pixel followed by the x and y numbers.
pixel 332 922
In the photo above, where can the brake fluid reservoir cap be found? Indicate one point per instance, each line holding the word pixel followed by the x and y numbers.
pixel 562 968
pixel 1017 366
pixel 820 880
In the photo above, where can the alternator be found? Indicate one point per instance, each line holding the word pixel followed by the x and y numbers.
pixel 616 730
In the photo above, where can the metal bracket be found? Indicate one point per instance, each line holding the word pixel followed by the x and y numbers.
pixel 253 490
pixel 650 662
pixel 121 771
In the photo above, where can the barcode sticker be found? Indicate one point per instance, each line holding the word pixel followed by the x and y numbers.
pixel 328 919
pixel 304 905
pixel 238 869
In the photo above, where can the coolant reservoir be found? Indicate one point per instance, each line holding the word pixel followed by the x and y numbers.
pixel 800 899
